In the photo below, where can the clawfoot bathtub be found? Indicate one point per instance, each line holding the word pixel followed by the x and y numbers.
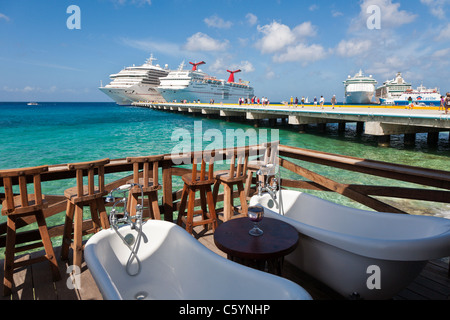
pixel 173 265
pixel 355 252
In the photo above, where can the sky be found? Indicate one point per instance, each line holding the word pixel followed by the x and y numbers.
pixel 283 47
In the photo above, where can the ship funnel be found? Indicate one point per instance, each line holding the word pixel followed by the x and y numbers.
pixel 195 65
pixel 231 78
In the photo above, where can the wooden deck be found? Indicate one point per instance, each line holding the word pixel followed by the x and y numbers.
pixel 34 282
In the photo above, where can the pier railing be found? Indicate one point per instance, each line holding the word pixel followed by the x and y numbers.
pixel 422 184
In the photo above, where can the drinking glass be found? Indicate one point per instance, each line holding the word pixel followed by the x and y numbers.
pixel 256 214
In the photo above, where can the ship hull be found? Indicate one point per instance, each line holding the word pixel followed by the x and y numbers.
pixel 118 95
pixel 359 97
pixel 406 102
pixel 126 96
pixel 205 94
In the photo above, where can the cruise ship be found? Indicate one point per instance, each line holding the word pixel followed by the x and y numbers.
pixel 359 89
pixel 421 96
pixel 392 89
pixel 136 83
pixel 197 86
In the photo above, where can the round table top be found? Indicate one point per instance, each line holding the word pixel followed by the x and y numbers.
pixel 278 240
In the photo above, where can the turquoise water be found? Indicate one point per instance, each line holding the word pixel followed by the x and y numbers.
pixel 56 133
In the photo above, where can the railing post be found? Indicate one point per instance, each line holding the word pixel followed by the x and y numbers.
pixel 167 190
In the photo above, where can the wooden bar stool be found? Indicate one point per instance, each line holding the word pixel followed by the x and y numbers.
pixel 21 206
pixel 229 178
pixel 198 181
pixel 148 179
pixel 270 157
pixel 79 197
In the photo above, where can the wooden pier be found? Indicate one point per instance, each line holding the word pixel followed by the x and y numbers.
pixel 429 186
pixel 374 120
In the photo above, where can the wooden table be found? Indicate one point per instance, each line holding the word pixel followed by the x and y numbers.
pixel 266 252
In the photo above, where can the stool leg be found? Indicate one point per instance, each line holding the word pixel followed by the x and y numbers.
pixel 49 252
pixel 211 207
pixel 104 221
pixel 190 211
pixel 203 205
pixel 8 281
pixel 228 202
pixel 153 197
pixel 67 235
pixel 243 198
pixel 78 236
pixel 248 183
pixel 216 191
pixel 94 216
pixel 182 208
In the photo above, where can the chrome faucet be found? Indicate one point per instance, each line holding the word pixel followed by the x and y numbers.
pixel 132 241
pixel 271 188
pixel 127 218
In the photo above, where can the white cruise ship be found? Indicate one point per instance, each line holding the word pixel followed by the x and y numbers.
pixel 359 89
pixel 136 83
pixel 197 86
pixel 392 89
pixel 421 96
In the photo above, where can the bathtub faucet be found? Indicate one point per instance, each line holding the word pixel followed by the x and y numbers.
pixel 272 187
pixel 114 218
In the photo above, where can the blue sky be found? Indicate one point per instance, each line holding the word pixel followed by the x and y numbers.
pixel 284 47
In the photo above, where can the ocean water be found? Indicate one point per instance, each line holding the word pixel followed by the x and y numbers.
pixel 57 133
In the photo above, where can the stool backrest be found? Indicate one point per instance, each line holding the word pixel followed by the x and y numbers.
pixel 238 162
pixel 90 167
pixel 206 158
pixel 149 165
pixel 23 176
pixel 271 153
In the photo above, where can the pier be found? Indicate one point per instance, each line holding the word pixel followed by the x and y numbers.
pixel 374 120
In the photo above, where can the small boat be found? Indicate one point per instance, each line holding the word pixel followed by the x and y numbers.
pixel 32 104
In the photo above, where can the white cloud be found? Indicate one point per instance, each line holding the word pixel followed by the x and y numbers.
pixel 153 46
pixel 220 66
pixel 288 45
pixel 391 15
pixel 278 36
pixel 217 22
pixel 302 53
pixel 354 47
pixel 313 7
pixel 444 34
pixel 29 89
pixel 251 19
pixel 4 17
pixel 437 7
pixel 203 42
pixel 136 2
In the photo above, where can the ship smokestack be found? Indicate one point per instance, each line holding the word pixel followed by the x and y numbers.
pixel 195 65
pixel 231 78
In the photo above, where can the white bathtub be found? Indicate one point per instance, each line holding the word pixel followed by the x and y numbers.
pixel 339 245
pixel 175 266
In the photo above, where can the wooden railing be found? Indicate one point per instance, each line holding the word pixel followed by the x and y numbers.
pixel 432 185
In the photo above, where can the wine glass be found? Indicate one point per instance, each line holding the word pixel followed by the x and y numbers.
pixel 256 214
